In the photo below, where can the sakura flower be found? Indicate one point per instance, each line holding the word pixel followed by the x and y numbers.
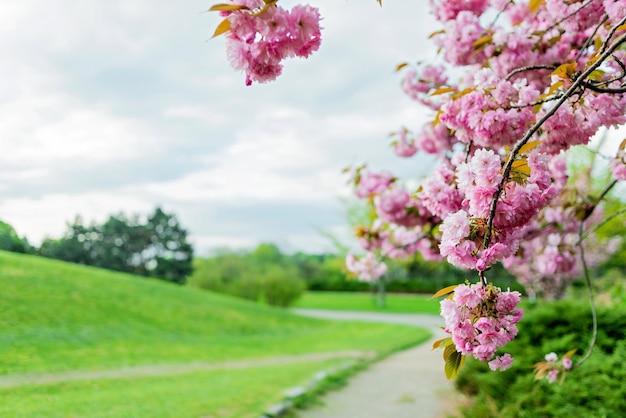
pixel 478 324
pixel 567 363
pixel 501 362
pixel 367 268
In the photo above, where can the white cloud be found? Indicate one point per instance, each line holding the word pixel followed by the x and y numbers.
pixel 122 105
pixel 47 215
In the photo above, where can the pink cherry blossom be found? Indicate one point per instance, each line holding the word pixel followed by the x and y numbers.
pixel 479 323
pixel 367 268
pixel 501 363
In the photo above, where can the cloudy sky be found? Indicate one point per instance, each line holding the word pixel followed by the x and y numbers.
pixel 122 105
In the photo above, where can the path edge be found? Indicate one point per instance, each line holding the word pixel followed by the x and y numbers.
pixel 324 381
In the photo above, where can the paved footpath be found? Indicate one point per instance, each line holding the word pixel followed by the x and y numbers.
pixel 408 384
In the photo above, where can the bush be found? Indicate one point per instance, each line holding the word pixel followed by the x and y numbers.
pixel 280 288
pixel 595 389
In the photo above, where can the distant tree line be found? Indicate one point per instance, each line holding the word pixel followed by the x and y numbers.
pixel 152 246
pixel 264 274
pixel 255 273
pixel 10 241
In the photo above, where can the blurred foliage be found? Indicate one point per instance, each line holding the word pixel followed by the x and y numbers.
pixel 155 246
pixel 248 274
pixel 10 241
pixel 596 389
pixel 262 274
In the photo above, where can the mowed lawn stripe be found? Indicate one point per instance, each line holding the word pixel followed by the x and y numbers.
pixel 9 381
pixel 362 301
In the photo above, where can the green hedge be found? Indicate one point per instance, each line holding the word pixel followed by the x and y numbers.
pixel 596 389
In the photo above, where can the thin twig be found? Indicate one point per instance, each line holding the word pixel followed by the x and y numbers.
pixel 500 13
pixel 590 38
pixel 483 279
pixel 529 68
pixel 606 220
pixel 607 90
pixel 592 303
pixel 538 102
pixel 610 34
pixel 557 23
pixel 421 236
pixel 518 146
pixel 603 194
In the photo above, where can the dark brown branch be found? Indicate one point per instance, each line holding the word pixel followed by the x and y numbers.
pixel 510 2
pixel 607 90
pixel 604 222
pixel 518 146
pixel 529 68
pixel 538 102
pixel 557 23
pixel 592 303
pixel 610 35
pixel 421 236
pixel 590 38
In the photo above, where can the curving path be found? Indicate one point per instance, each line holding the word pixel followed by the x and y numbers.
pixel 152 370
pixel 408 384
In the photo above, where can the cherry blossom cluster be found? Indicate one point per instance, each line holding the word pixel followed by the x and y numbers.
pixel 548 258
pixel 403 226
pixel 367 268
pixel 262 34
pixel 480 319
pixel 482 205
pixel 553 369
pixel 618 165
pixel 518 84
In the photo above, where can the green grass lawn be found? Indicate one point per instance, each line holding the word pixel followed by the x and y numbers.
pixel 58 317
pixel 224 394
pixel 352 301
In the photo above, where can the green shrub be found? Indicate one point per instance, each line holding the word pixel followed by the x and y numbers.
pixel 280 288
pixel 595 389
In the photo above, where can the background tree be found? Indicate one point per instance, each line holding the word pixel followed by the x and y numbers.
pixel 154 247
pixel 10 241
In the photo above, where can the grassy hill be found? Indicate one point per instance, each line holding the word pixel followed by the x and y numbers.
pixel 57 317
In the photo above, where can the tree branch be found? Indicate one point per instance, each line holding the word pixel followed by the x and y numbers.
pixel 607 90
pixel 518 146
pixel 557 23
pixel 529 68
pixel 592 303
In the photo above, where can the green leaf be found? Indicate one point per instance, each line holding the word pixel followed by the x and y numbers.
pixel 596 75
pixel 565 71
pixel 223 27
pixel 444 291
pixel 448 351
pixel 454 361
pixel 520 171
pixel 442 342
pixel 223 7
pixel 554 88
